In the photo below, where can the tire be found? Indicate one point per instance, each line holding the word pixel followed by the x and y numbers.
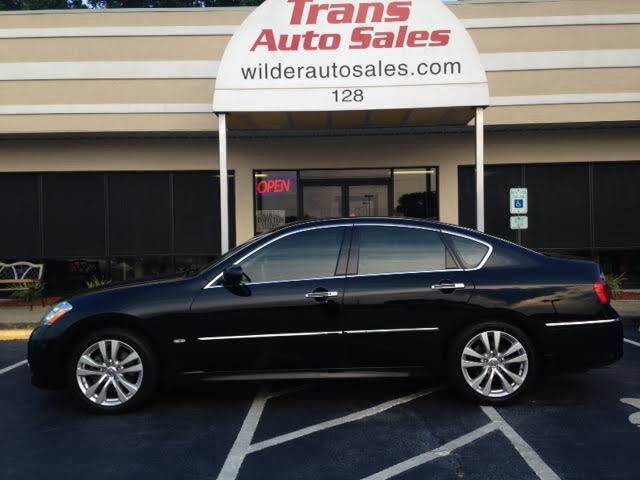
pixel 117 384
pixel 508 376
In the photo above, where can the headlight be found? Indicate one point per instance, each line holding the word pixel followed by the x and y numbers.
pixel 57 312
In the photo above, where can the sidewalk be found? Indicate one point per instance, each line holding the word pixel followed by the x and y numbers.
pixel 16 323
pixel 21 317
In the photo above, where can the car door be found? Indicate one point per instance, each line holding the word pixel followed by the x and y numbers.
pixel 404 287
pixel 285 315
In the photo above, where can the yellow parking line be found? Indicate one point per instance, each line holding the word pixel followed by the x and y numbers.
pixel 17 334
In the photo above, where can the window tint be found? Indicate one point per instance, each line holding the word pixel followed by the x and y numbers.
pixel 397 249
pixel 471 252
pixel 309 254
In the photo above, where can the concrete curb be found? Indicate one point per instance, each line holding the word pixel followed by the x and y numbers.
pixel 15 334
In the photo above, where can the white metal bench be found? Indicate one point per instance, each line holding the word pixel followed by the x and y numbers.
pixel 16 276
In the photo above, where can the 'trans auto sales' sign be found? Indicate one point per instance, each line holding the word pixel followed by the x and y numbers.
pixel 351 55
pixel 363 17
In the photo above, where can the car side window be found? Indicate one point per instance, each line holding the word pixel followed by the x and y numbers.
pixel 395 250
pixel 470 252
pixel 307 254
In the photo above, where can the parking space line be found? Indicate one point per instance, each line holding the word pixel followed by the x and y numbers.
pixel 541 469
pixel 632 342
pixel 434 454
pixel 339 421
pixel 11 367
pixel 240 447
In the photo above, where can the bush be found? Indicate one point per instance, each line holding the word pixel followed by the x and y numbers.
pixel 97 282
pixel 615 283
pixel 29 292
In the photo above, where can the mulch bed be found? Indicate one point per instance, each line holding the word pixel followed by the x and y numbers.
pixel 628 296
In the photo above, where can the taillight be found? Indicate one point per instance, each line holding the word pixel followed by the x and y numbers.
pixel 602 291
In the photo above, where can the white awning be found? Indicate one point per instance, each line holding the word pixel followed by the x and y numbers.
pixel 311 56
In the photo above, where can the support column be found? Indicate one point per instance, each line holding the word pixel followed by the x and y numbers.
pixel 224 184
pixel 480 169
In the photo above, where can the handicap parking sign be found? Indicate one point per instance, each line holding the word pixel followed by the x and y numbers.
pixel 519 201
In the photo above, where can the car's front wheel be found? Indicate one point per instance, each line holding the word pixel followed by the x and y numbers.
pixel 493 363
pixel 112 371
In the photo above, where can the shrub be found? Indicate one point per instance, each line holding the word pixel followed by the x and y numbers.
pixel 615 283
pixel 97 282
pixel 29 292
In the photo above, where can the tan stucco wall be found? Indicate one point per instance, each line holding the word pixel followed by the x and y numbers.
pixel 73 53
pixel 245 154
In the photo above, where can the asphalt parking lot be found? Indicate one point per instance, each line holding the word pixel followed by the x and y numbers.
pixel 570 427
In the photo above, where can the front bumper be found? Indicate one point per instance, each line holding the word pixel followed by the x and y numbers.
pixel 45 360
pixel 575 346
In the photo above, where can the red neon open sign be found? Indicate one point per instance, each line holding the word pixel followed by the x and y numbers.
pixel 274 185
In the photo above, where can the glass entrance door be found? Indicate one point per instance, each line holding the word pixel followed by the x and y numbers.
pixel 345 200
pixel 368 200
pixel 322 201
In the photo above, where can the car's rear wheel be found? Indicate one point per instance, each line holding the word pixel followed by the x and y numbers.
pixel 493 363
pixel 112 371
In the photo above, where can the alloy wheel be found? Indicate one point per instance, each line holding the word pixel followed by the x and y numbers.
pixel 109 372
pixel 494 364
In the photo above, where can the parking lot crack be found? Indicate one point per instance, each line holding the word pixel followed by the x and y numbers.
pixel 442 451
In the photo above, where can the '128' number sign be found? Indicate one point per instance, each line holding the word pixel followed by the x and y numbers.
pixel 348 95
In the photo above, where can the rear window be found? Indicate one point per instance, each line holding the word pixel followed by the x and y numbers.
pixel 470 252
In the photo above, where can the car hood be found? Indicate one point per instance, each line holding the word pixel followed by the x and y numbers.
pixel 123 286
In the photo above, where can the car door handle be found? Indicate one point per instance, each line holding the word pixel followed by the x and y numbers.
pixel 321 294
pixel 447 286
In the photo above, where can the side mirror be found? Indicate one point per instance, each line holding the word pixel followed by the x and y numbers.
pixel 232 275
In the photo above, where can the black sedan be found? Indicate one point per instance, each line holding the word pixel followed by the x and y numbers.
pixel 336 298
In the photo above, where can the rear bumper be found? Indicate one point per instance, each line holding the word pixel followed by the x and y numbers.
pixel 583 345
pixel 45 361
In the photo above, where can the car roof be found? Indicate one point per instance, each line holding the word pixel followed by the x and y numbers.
pixel 408 221
pixel 380 220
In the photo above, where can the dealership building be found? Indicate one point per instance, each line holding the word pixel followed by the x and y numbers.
pixel 140 142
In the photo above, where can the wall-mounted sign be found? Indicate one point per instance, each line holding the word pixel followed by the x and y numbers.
pixel 319 55
pixel 519 222
pixel 518 201
pixel 267 220
pixel 274 185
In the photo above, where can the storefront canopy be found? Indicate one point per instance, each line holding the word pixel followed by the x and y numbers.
pixel 318 56
pixel 300 64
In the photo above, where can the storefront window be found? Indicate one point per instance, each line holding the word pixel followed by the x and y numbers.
pixel 415 192
pixel 276 196
pixel 285 196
